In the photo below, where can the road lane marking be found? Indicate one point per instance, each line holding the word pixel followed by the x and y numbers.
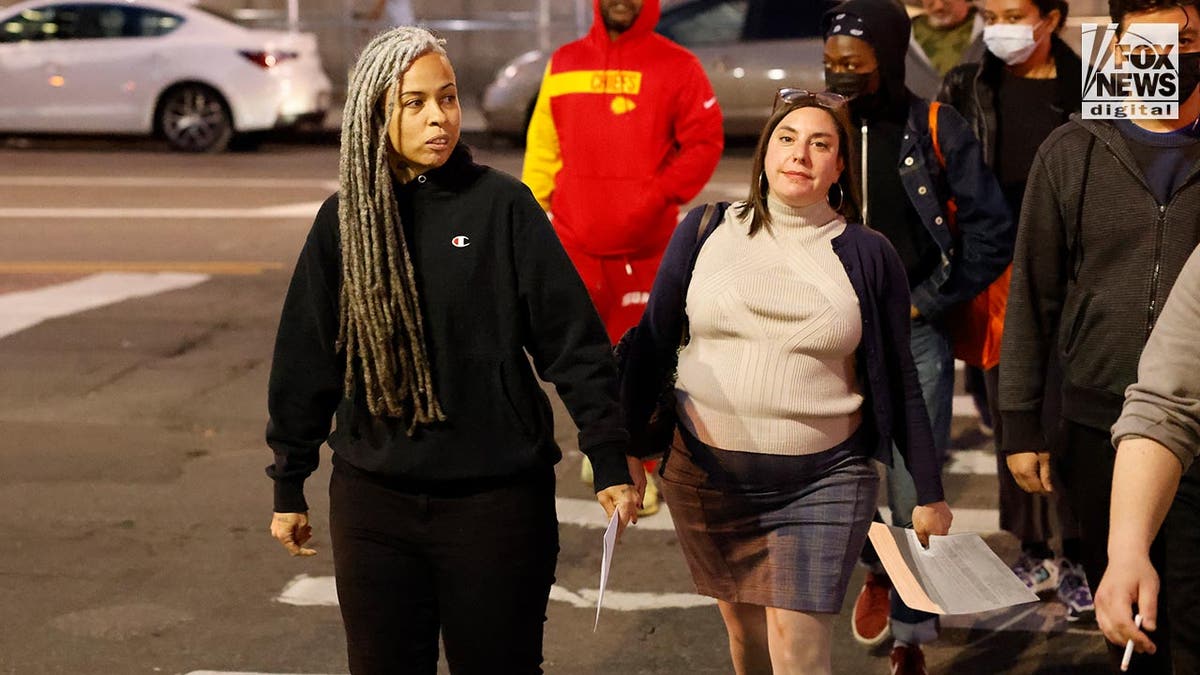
pixel 212 267
pixel 972 462
pixel 167 181
pixel 305 210
pixel 588 513
pixel 24 309
pixel 625 601
pixel 964 406
pixel 982 521
pixel 306 591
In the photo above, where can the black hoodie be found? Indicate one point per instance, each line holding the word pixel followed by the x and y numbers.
pixel 884 115
pixel 494 284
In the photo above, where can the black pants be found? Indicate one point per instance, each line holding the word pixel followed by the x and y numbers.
pixel 1182 578
pixel 1030 518
pixel 477 567
pixel 1085 461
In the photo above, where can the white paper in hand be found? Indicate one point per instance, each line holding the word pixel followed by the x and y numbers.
pixel 610 542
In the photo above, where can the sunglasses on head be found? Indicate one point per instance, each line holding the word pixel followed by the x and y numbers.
pixel 825 99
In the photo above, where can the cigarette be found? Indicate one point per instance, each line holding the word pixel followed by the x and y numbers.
pixel 1137 622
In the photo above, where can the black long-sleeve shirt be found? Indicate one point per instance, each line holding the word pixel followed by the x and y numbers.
pixel 494 283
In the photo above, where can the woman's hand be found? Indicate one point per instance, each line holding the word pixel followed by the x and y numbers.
pixel 637 471
pixel 293 531
pixel 624 499
pixel 930 519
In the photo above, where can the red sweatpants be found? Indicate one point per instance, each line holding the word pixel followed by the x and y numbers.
pixel 619 287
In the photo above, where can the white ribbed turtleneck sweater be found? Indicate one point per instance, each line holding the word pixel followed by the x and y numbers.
pixel 774 326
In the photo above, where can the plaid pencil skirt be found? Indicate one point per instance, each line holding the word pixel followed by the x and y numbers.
pixel 772 530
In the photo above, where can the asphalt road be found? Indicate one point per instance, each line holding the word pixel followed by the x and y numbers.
pixel 139 293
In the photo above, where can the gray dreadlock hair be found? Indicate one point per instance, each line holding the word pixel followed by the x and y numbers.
pixel 380 324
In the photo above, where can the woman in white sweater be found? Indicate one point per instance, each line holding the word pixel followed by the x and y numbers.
pixel 795 373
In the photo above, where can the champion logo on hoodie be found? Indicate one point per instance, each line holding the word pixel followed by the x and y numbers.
pixel 461 241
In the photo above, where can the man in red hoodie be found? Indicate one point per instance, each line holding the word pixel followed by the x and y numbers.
pixel 626 128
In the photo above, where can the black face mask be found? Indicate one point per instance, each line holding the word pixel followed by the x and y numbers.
pixel 1189 74
pixel 850 85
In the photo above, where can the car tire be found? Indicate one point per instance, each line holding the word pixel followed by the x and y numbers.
pixel 194 118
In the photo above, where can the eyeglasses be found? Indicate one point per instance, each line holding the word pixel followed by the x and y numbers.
pixel 825 99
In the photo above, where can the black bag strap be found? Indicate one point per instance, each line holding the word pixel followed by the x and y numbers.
pixel 713 214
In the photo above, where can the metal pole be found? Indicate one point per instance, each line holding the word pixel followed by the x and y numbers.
pixel 583 16
pixel 543 24
pixel 293 16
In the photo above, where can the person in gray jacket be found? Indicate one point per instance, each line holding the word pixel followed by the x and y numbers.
pixel 1108 219
pixel 1158 440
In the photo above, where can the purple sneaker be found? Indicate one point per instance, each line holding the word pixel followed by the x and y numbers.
pixel 1074 592
pixel 1039 575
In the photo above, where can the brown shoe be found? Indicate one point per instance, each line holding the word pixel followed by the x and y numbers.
pixel 871 609
pixel 908 660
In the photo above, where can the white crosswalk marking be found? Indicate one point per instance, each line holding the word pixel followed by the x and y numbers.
pixel 982 521
pixel 306 591
pixel 587 513
pixel 237 673
pixel 972 462
pixel 24 309
pixel 298 210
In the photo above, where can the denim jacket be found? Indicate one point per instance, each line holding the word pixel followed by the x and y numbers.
pixel 987 230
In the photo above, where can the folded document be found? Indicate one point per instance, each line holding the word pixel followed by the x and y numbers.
pixel 957 574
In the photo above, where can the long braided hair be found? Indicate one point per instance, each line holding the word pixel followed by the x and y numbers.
pixel 380 324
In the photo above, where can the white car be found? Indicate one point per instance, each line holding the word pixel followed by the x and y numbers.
pixel 152 67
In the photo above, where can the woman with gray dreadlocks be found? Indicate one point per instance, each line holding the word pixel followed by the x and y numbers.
pixel 421 287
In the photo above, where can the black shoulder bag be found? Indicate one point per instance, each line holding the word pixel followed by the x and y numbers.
pixel 656 437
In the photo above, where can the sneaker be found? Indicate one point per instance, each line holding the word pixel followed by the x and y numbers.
pixel 1074 592
pixel 651 499
pixel 870 621
pixel 908 660
pixel 1039 575
pixel 585 472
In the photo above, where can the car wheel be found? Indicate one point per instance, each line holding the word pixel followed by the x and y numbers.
pixel 194 118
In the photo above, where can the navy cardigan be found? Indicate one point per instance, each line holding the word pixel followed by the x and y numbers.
pixel 888 378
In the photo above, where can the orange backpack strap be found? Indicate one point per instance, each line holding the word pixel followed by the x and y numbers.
pixel 934 106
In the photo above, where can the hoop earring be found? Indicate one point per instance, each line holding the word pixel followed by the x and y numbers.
pixel 841 200
pixel 763 186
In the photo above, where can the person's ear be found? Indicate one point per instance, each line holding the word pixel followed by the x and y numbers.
pixel 1052 18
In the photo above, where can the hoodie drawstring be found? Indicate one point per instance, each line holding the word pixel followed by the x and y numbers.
pixel 864 173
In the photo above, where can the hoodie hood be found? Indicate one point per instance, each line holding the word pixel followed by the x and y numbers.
pixel 644 24
pixel 888 30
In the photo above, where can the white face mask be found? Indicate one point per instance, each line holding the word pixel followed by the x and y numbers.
pixel 1012 43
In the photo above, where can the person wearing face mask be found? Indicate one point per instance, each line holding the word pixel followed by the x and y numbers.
pixel 1108 220
pixel 424 287
pixel 947 33
pixel 905 193
pixel 1027 85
